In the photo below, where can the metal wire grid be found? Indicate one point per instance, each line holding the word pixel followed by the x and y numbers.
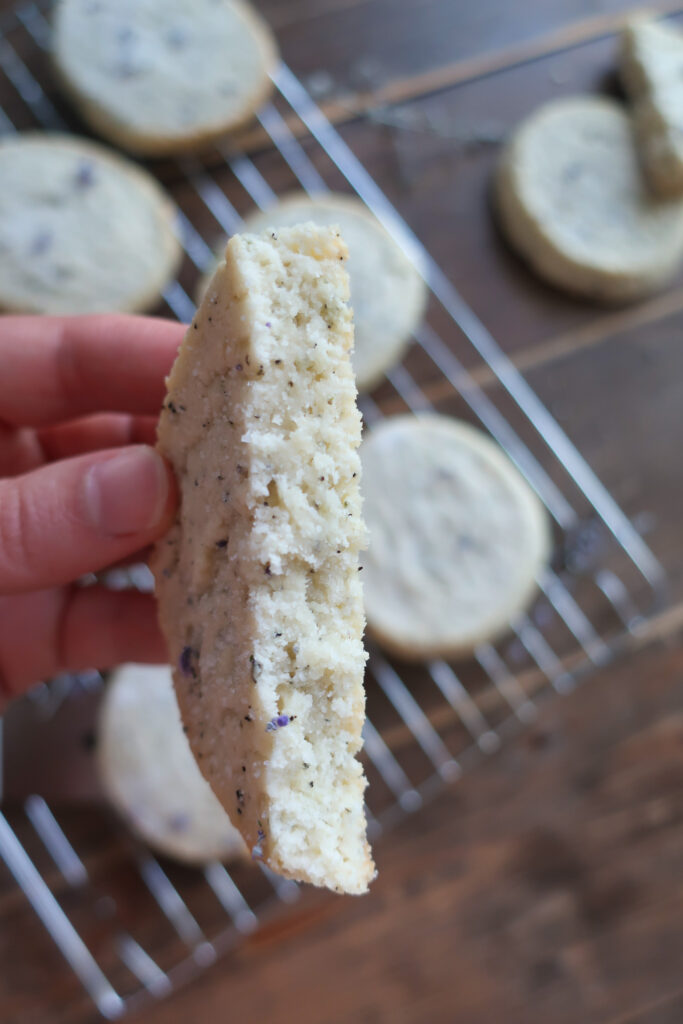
pixel 426 732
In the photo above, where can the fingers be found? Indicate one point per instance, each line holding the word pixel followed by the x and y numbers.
pixel 22 450
pixel 108 430
pixel 58 368
pixel 79 515
pixel 70 630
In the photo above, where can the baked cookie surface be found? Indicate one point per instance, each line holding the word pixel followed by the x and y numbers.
pixel 457 536
pixel 572 200
pixel 159 77
pixel 82 230
pixel 148 771
pixel 651 68
pixel 258 583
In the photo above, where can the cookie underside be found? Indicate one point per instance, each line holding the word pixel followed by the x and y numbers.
pixel 258 584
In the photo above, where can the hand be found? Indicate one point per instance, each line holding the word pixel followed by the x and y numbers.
pixel 81 489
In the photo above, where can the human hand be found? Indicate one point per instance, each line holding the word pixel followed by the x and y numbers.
pixel 80 489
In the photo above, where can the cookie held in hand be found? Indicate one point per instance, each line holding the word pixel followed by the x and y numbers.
pixel 388 295
pixel 258 584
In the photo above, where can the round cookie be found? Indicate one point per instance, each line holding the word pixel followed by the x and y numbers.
pixel 387 294
pixel 457 536
pixel 82 230
pixel 150 775
pixel 572 200
pixel 159 77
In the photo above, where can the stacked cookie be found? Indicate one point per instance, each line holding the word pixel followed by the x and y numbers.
pixel 83 230
pixel 588 192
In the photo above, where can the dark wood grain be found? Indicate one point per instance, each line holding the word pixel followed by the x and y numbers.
pixel 545 887
pixel 366 44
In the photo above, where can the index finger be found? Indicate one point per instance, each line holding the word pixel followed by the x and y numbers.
pixel 57 368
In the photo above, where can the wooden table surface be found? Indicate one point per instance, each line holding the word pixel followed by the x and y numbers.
pixel 546 885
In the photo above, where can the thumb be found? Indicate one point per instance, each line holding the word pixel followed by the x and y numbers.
pixel 80 515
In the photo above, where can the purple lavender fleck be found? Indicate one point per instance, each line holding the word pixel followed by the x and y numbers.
pixel 268 323
pixel 466 542
pixel 176 37
pixel 279 722
pixel 179 822
pixel 257 849
pixel 85 175
pixel 188 655
pixel 124 71
pixel 40 243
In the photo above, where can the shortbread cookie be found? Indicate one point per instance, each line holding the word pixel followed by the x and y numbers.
pixel 148 771
pixel 652 72
pixel 573 201
pixel 258 585
pixel 159 77
pixel 387 293
pixel 457 537
pixel 81 229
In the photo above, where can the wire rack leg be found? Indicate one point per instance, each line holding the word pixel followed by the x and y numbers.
pixel 69 942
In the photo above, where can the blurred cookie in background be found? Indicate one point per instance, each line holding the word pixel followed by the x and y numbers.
pixel 651 69
pixel 149 774
pixel 573 201
pixel 82 230
pixel 388 295
pixel 159 77
pixel 457 537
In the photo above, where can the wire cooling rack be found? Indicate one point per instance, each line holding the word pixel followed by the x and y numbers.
pixel 426 723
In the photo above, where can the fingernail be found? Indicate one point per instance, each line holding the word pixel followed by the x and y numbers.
pixel 127 493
